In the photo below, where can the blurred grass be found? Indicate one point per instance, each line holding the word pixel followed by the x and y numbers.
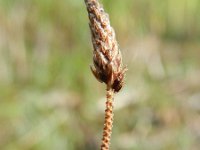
pixel 50 100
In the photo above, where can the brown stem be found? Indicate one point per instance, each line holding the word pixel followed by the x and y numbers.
pixel 108 124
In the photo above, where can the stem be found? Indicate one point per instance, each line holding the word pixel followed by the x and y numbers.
pixel 108 124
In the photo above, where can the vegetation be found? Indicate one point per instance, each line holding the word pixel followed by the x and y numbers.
pixel 50 100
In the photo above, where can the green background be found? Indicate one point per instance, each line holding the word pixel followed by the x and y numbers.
pixel 49 99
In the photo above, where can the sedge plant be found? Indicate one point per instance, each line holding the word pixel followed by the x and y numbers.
pixel 108 67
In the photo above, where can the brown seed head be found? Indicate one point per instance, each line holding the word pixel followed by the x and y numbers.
pixel 107 59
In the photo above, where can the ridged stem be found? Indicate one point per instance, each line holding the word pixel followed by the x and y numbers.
pixel 108 124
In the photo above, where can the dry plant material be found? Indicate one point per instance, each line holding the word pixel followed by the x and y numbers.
pixel 107 59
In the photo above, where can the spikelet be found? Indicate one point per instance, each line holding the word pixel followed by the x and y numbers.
pixel 107 59
pixel 108 67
